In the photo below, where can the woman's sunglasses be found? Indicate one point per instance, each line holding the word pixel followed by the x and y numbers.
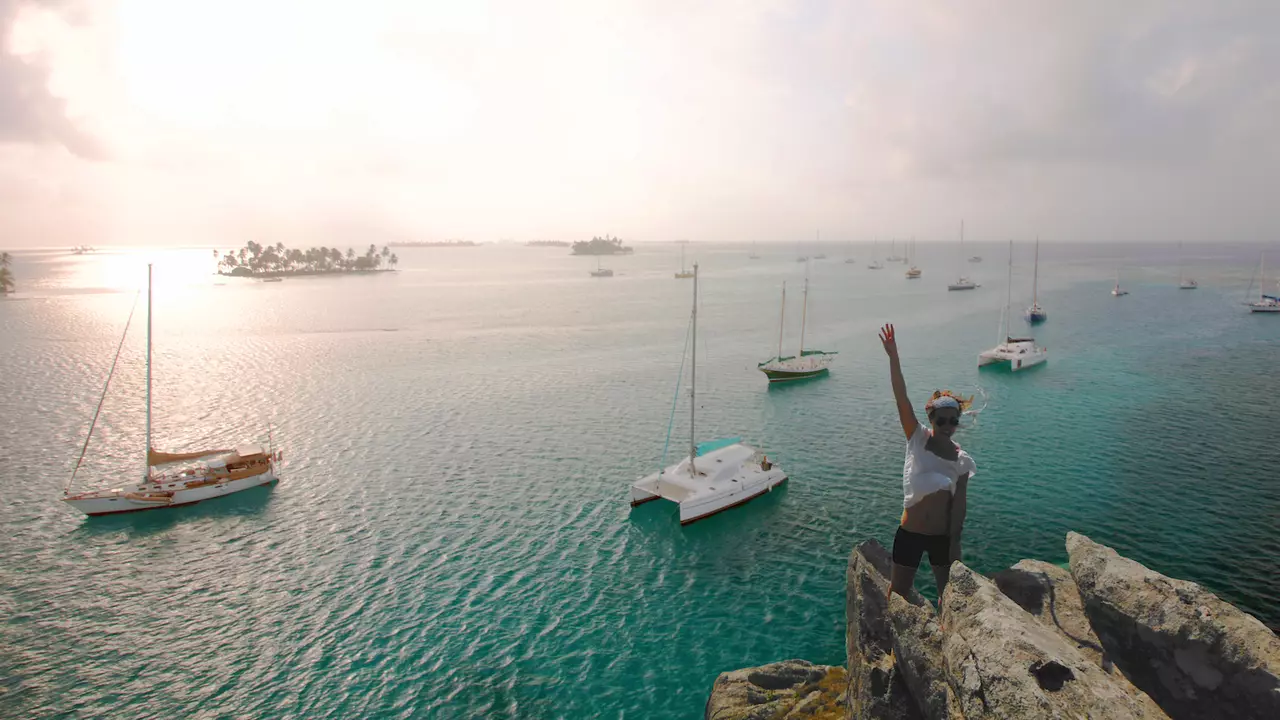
pixel 940 421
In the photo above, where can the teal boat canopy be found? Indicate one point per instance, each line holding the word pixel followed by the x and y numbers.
pixel 713 445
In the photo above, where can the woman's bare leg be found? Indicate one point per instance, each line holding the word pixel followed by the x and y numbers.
pixel 901 578
pixel 940 575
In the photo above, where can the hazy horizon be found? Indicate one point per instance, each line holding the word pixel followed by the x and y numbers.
pixel 152 122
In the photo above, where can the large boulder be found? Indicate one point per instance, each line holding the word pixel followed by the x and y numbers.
pixel 876 687
pixel 1198 656
pixel 786 690
pixel 1003 663
pixel 917 652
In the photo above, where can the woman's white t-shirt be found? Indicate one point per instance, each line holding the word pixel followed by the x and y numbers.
pixel 924 473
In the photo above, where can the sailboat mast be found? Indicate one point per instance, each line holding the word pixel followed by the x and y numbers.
pixel 782 320
pixel 804 315
pixel 1008 295
pixel 147 451
pixel 693 378
pixel 1035 276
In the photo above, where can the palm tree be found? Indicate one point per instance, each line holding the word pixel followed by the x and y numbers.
pixel 6 281
pixel 386 251
pixel 5 259
pixel 393 260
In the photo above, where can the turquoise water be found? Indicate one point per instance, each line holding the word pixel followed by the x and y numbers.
pixel 451 536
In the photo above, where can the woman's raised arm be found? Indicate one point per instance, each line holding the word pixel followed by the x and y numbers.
pixel 905 413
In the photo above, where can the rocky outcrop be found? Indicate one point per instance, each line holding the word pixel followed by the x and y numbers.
pixel 876 687
pixel 1109 639
pixel 1003 663
pixel 917 654
pixel 1049 593
pixel 1198 656
pixel 780 691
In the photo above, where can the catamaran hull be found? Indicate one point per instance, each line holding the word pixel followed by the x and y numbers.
pixel 148 498
pixel 1014 362
pixel 1265 309
pixel 727 477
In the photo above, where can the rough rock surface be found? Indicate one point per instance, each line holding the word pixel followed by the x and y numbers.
pixel 1050 594
pixel 917 652
pixel 876 687
pixel 1198 656
pixel 1036 643
pixel 786 690
pixel 1003 663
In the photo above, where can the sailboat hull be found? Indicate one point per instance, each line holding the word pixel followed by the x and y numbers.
pixel 153 496
pixel 726 478
pixel 811 363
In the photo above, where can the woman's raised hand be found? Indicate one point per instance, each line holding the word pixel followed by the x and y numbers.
pixel 888 340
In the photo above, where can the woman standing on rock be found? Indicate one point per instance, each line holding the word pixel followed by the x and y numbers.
pixel 935 480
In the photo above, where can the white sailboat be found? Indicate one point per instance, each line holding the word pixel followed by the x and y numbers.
pixel 1117 291
pixel 1265 303
pixel 875 263
pixel 849 258
pixel 1184 282
pixel 963 283
pixel 894 256
pixel 1035 313
pixel 913 273
pixel 717 475
pixel 806 363
pixel 1017 353
pixel 601 271
pixel 753 255
pixel 222 472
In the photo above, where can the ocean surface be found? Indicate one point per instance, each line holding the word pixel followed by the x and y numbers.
pixel 451 536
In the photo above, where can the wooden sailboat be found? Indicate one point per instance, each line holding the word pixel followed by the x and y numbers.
pixel 221 472
pixel 913 273
pixel 1035 313
pixel 805 364
pixel 717 475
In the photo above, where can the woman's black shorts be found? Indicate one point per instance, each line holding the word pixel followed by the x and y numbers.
pixel 908 547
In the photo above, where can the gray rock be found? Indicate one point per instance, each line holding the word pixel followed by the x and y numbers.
pixel 1049 593
pixel 1196 655
pixel 917 651
pixel 786 690
pixel 876 688
pixel 1003 663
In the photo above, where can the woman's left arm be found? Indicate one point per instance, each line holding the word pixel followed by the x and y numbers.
pixel 959 505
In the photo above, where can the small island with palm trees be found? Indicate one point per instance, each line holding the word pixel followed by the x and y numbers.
pixel 600 246
pixel 270 261
pixel 7 284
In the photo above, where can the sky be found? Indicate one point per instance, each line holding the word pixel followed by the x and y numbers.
pixel 175 122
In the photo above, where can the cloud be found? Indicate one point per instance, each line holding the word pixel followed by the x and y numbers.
pixel 29 112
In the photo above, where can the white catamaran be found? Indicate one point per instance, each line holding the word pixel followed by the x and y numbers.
pixel 1017 353
pixel 805 364
pixel 717 475
pixel 223 471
